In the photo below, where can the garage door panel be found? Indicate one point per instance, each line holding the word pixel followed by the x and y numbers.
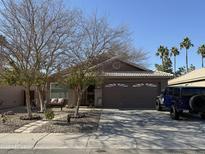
pixel 130 95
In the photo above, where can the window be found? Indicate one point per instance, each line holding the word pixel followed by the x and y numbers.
pixel 58 91
pixel 203 91
pixel 116 84
pixel 176 92
pixel 138 85
pixel 170 91
pixel 116 65
pixel 190 91
pixel 110 85
pixel 151 85
pixel 122 85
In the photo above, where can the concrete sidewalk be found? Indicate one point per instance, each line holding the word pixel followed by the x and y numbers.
pixel 60 141
pixel 100 151
pixel 28 143
pixel 40 141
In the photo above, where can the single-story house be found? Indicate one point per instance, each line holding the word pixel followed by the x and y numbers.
pixel 195 78
pixel 125 85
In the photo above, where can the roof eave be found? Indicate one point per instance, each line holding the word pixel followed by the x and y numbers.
pixel 128 77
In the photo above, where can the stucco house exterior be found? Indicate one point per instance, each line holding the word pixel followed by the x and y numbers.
pixel 195 78
pixel 125 85
pixel 11 96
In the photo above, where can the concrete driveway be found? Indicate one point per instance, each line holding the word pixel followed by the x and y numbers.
pixel 149 129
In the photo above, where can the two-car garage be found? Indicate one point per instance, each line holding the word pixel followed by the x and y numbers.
pixel 139 95
pixel 128 85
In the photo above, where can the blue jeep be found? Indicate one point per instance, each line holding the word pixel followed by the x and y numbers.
pixel 179 99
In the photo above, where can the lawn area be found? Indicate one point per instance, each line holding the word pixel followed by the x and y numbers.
pixel 87 124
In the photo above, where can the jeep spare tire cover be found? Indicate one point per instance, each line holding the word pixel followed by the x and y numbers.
pixel 197 103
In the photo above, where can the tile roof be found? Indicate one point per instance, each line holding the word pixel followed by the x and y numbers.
pixel 137 74
pixel 195 75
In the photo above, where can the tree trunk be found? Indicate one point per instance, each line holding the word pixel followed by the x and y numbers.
pixel 187 65
pixel 174 64
pixel 202 61
pixel 163 62
pixel 40 97
pixel 36 97
pixel 28 102
pixel 77 104
pixel 47 93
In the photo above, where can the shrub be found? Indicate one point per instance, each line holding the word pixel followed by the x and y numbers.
pixel 49 114
pixel 3 118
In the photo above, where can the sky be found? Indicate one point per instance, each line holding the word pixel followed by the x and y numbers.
pixel 154 23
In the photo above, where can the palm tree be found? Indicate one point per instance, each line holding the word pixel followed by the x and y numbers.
pixel 201 51
pixel 162 52
pixel 186 43
pixel 174 52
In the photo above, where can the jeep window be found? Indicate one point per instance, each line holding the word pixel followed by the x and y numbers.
pixel 170 91
pixel 190 91
pixel 176 92
pixel 203 91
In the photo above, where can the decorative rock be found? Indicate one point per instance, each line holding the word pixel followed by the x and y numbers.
pixel 80 115
pixel 9 113
pixel 34 117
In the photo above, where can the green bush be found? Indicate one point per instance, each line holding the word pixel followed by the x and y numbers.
pixel 49 114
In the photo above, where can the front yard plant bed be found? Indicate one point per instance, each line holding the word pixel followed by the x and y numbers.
pixel 13 119
pixel 86 124
pixel 13 122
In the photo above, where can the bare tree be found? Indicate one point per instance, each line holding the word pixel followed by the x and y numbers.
pixel 37 33
pixel 127 51
pixel 93 38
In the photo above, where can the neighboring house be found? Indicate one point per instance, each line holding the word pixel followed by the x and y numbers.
pixel 195 78
pixel 11 96
pixel 125 85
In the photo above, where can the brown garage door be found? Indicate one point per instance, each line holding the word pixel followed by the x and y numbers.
pixel 130 95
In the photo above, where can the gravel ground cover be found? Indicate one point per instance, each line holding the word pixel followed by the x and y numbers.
pixel 13 122
pixel 87 124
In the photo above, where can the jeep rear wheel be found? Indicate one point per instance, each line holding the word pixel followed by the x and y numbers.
pixel 202 115
pixel 174 114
